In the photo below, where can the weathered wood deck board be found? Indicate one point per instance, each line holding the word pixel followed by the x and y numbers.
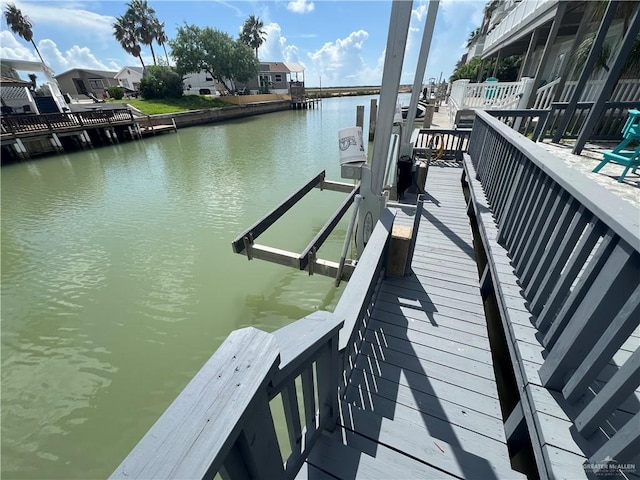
pixel 423 384
pixel 451 458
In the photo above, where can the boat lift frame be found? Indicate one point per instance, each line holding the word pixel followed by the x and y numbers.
pixel 307 260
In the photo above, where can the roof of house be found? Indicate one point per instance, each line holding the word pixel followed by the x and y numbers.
pixel 286 67
pixel 13 82
pixel 97 73
pixel 135 69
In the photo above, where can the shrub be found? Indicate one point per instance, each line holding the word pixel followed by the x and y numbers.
pixel 161 82
pixel 117 93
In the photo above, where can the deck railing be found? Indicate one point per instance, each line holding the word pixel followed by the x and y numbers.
pixel 223 422
pixel 575 248
pixel 608 129
pixel 529 123
pixel 32 123
pixel 449 144
pixel 626 90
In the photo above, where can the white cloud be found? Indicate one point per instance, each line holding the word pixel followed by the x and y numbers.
pixel 12 49
pixel 68 17
pixel 341 63
pixel 74 57
pixel 300 6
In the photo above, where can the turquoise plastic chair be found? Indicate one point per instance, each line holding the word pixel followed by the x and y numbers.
pixel 630 159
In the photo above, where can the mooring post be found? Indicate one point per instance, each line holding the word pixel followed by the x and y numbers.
pixel 373 113
pixel 360 116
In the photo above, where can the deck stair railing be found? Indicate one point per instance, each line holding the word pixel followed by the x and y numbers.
pixel 575 251
pixel 222 422
pixel 488 95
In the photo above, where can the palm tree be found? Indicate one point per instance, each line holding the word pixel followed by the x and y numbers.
pixel 161 37
pixel 33 77
pixel 20 24
pixel 253 33
pixel 145 21
pixel 124 31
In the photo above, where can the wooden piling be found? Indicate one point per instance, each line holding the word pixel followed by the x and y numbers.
pixel 373 113
pixel 360 116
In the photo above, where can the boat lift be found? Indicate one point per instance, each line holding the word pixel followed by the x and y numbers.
pixel 369 196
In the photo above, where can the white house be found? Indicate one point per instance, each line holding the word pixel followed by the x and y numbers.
pixel 129 77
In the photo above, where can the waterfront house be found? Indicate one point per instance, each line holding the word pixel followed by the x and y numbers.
pixel 547 34
pixel 81 81
pixel 129 77
pixel 274 77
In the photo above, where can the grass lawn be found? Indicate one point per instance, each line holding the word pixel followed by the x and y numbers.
pixel 172 105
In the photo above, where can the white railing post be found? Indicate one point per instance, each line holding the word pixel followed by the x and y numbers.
pixel 526 92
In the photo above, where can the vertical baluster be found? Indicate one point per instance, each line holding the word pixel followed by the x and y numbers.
pixel 622 326
pixel 604 296
pixel 309 402
pixel 531 175
pixel 561 245
pixel 530 215
pixel 328 375
pixel 568 305
pixel 513 201
pixel 547 221
pixel 292 415
pixel 506 188
pixel 558 281
pixel 623 446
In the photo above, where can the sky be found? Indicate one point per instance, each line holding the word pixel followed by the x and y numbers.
pixel 340 43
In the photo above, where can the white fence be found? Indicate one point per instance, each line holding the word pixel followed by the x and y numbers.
pixel 488 95
pixel 627 90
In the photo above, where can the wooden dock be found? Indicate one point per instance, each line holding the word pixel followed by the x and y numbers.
pixel 422 400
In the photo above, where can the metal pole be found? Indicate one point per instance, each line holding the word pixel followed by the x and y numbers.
pixel 396 43
pixel 347 239
pixel 427 35
pixel 373 178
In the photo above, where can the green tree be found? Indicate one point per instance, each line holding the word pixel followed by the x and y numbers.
pixel 124 31
pixel 507 69
pixel 253 34
pixel 21 25
pixel 161 82
pixel 209 50
pixel 117 93
pixel 33 77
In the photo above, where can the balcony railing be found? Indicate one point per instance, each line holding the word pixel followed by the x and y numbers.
pixel 520 15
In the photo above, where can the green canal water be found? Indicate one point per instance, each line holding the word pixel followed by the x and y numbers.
pixel 119 281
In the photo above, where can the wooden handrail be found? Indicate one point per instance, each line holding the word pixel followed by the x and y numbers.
pixel 575 249
pixel 222 422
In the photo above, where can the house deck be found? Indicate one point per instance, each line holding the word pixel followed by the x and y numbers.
pixel 422 400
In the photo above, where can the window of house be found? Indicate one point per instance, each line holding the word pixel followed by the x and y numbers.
pixel 96 84
pixel 124 82
pixel 278 77
pixel 208 79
